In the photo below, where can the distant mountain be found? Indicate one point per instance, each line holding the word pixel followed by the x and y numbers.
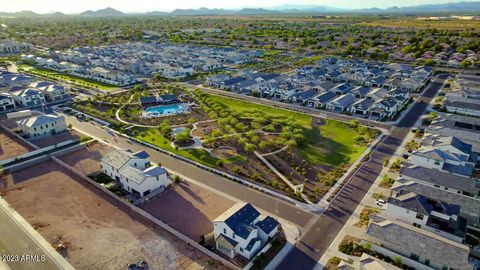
pixel 156 13
pixel 106 12
pixel 450 8
pixel 431 8
pixel 308 8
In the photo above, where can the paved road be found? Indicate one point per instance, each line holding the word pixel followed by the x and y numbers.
pixel 275 206
pixel 14 240
pixel 318 232
pixel 290 106
pixel 323 230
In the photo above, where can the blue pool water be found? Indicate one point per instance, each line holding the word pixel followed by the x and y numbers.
pixel 168 109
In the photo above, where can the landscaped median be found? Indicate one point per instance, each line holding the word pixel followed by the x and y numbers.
pixel 65 77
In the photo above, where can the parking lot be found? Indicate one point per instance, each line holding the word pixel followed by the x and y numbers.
pixel 188 208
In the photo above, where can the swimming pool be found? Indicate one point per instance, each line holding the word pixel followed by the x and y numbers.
pixel 164 110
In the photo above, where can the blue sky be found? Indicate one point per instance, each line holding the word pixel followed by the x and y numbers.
pixel 75 6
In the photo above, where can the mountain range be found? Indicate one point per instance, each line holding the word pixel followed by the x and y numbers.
pixel 455 7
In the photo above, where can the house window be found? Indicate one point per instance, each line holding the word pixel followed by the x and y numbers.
pixel 436 162
pixel 224 231
pixel 233 235
pixel 414 257
pixel 427 262
pixel 241 249
pixel 126 179
pixel 419 216
pixel 445 268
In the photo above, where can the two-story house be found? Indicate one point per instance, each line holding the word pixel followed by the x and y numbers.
pixel 134 171
pixel 42 125
pixel 429 214
pixel 448 154
pixel 242 230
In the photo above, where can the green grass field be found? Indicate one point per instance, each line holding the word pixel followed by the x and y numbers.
pixel 81 82
pixel 153 136
pixel 248 107
pixel 331 144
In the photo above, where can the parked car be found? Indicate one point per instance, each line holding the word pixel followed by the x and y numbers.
pixel 381 202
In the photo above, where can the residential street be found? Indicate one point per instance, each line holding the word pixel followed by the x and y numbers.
pixel 318 231
pixel 16 240
pixel 275 206
pixel 318 237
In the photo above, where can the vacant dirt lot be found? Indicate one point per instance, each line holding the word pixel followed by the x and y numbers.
pixel 58 138
pixel 86 160
pixel 99 233
pixel 188 208
pixel 11 146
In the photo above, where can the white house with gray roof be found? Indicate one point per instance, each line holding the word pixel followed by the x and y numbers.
pixel 430 214
pixel 469 206
pixel 416 247
pixel 6 102
pixel 448 154
pixel 29 97
pixel 42 125
pixel 242 230
pixel 134 171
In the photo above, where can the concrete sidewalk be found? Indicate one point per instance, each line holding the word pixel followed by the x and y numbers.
pixel 18 240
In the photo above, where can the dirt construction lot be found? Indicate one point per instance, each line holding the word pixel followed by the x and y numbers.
pixel 11 146
pixel 99 232
pixel 195 208
pixel 87 159
pixel 57 138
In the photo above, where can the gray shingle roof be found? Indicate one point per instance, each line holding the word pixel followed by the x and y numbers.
pixel 40 120
pixel 408 239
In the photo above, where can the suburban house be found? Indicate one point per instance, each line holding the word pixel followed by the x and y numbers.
pixel 321 100
pixel 440 179
pixel 466 128
pixel 134 172
pixel 367 262
pixel 469 206
pixel 462 105
pixel 29 97
pixel 6 102
pixel 416 247
pixel 242 230
pixel 362 106
pixel 429 214
pixel 42 125
pixel 447 154
pixel 341 103
pixel 52 91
